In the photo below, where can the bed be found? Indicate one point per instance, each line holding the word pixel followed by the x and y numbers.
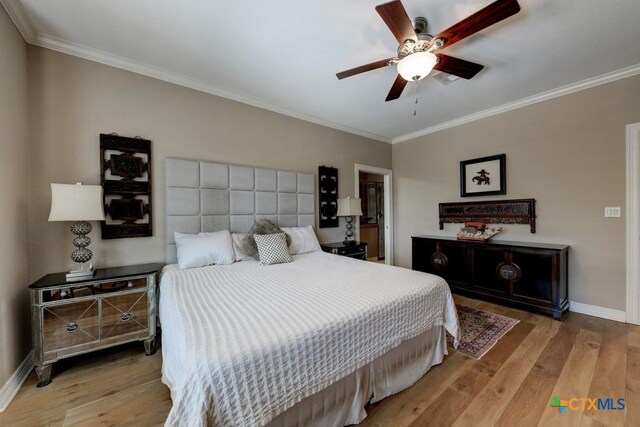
pixel 309 342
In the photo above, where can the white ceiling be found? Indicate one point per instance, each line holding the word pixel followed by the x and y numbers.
pixel 283 54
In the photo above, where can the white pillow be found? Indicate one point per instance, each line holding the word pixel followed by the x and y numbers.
pixel 303 239
pixel 202 249
pixel 237 238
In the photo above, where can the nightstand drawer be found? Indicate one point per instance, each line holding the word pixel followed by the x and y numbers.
pixel 120 285
pixel 356 250
pixel 69 325
pixel 124 314
pixel 351 250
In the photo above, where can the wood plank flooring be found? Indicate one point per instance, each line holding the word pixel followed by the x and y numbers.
pixel 512 385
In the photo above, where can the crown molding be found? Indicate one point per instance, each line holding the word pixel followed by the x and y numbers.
pixel 544 96
pixel 95 55
pixel 21 19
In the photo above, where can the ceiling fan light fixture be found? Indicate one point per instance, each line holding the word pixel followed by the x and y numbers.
pixel 417 66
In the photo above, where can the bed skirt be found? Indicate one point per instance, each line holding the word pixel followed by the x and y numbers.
pixel 343 403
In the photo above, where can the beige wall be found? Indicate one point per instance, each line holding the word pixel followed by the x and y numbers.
pixel 15 338
pixel 568 153
pixel 74 100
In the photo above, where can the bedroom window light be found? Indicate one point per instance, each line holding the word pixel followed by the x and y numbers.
pixel 348 208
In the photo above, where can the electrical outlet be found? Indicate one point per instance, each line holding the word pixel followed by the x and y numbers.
pixel 612 212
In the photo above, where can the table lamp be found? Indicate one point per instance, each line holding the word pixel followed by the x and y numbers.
pixel 78 203
pixel 348 208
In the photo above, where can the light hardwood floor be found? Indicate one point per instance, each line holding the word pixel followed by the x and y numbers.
pixel 512 385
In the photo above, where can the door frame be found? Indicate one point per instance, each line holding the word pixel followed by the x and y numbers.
pixel 633 223
pixel 388 206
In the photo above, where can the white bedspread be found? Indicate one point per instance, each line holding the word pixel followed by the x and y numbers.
pixel 242 343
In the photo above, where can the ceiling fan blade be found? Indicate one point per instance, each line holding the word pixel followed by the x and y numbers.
pixel 495 12
pixel 364 68
pixel 396 18
pixel 396 89
pixel 457 67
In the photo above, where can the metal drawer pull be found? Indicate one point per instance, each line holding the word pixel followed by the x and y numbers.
pixel 125 317
pixel 72 327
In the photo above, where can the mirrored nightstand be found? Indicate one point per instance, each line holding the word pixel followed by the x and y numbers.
pixel 115 306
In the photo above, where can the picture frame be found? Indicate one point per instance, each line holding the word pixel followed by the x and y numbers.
pixel 484 176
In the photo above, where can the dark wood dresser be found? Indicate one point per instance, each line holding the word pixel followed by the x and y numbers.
pixel 530 276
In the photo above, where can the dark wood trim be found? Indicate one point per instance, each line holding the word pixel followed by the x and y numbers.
pixel 515 211
pixel 126 188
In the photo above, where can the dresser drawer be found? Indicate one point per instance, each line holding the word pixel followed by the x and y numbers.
pixel 67 325
pixel 124 314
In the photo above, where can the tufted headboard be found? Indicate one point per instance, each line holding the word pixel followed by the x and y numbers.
pixel 207 196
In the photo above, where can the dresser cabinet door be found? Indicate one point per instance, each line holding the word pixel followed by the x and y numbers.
pixel 70 324
pixel 536 275
pixel 124 314
pixel 450 262
pixel 444 259
pixel 486 264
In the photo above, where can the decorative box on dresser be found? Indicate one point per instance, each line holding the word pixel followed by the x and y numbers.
pixel 357 250
pixel 115 306
pixel 530 276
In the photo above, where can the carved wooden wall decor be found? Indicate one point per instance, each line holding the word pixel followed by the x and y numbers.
pixel 125 175
pixel 328 185
pixel 519 211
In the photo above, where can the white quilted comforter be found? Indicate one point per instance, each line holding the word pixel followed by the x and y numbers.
pixel 242 343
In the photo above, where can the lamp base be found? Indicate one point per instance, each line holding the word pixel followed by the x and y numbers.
pixel 348 242
pixel 80 275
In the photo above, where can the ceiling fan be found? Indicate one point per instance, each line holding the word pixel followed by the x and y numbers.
pixel 418 51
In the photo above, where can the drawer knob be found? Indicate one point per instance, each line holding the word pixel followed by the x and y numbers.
pixel 72 327
pixel 125 317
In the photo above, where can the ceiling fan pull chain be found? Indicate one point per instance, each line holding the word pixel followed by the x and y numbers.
pixel 415 97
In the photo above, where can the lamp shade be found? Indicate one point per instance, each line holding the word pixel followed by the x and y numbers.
pixel 417 66
pixel 76 202
pixel 349 207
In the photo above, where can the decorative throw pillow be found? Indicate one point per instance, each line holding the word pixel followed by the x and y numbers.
pixel 273 248
pixel 303 240
pixel 238 239
pixel 262 226
pixel 202 249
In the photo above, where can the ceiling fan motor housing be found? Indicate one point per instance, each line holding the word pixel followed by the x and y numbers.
pixel 410 46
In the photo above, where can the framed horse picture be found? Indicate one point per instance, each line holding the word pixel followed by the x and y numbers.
pixel 485 176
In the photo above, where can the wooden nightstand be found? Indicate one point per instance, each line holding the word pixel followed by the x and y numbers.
pixel 115 306
pixel 357 250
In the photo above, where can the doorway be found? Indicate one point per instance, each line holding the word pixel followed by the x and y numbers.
pixel 372 219
pixel 375 226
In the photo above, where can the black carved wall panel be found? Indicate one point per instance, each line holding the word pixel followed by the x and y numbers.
pixel 328 183
pixel 125 175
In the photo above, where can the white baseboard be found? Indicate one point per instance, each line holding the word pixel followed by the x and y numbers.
pixel 594 310
pixel 11 387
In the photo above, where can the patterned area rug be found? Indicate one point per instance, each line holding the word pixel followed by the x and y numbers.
pixel 480 330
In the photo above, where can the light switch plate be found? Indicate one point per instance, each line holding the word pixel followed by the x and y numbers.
pixel 612 212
